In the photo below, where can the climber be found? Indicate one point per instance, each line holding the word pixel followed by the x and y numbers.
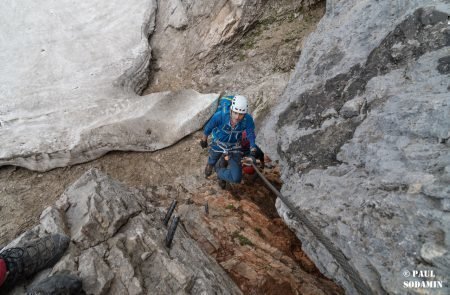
pixel 226 127
pixel 224 105
pixel 22 261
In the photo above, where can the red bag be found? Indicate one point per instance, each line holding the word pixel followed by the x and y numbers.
pixel 3 271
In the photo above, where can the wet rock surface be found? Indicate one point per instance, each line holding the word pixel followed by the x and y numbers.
pixel 361 133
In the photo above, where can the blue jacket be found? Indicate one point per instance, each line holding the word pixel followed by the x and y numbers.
pixel 220 127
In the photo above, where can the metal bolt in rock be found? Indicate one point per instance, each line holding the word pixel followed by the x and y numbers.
pixel 171 231
pixel 169 212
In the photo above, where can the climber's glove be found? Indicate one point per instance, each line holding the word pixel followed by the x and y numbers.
pixel 203 144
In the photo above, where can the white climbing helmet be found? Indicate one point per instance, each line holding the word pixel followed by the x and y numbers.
pixel 239 104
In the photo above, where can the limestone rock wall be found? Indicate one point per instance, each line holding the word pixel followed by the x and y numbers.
pixel 362 134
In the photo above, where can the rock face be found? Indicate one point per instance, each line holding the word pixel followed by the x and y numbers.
pixel 241 46
pixel 70 83
pixel 362 134
pixel 118 244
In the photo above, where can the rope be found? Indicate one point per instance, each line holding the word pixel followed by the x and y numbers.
pixel 337 254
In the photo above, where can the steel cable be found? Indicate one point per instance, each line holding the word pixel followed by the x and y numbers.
pixel 337 254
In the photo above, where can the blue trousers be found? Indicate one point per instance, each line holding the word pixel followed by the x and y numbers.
pixel 233 172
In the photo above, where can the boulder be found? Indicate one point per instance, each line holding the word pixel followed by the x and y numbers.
pixel 118 244
pixel 372 186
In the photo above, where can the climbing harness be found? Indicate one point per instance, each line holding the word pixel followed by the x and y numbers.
pixel 337 254
pixel 224 148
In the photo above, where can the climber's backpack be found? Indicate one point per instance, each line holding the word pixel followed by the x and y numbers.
pixel 225 103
